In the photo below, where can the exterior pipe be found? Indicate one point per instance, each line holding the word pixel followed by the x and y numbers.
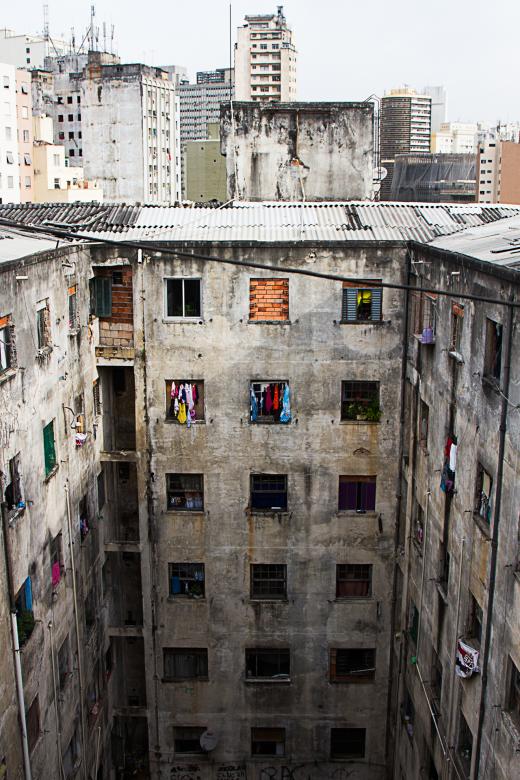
pixel 494 540
pixel 452 687
pixel 55 691
pixel 16 648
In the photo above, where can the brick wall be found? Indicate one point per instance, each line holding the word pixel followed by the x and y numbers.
pixel 118 330
pixel 269 299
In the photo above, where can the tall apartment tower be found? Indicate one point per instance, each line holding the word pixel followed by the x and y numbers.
pixel 405 128
pixel 265 59
pixel 9 169
pixel 200 102
pixel 498 172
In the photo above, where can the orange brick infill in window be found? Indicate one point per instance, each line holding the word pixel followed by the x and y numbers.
pixel 269 299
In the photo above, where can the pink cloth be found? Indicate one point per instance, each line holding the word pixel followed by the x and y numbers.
pixel 56 574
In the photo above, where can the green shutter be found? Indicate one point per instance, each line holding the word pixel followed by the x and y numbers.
pixel 49 450
pixel 101 296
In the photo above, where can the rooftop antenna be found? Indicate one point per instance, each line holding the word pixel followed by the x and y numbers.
pixel 46 22
pixel 92 14
pixel 72 41
pixel 104 36
pixel 112 39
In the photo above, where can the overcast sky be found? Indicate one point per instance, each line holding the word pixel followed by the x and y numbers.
pixel 347 49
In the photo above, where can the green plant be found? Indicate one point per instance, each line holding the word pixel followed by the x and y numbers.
pixel 25 624
pixel 373 412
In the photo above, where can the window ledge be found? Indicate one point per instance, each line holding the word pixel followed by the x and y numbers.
pixel 184 597
pixel 371 513
pixel 184 512
pixel 172 421
pixel 263 513
pixel 51 473
pixel 6 375
pixel 268 600
pixel 184 680
pixel 456 356
pixel 483 526
pixel 268 680
pixel 183 321
pixel 364 322
pixel 354 681
pixel 270 422
pixel 360 422
pixel 357 599
pixel 269 322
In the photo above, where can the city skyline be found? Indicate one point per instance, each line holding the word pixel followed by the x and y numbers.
pixel 395 50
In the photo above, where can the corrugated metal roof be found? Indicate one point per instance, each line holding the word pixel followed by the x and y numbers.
pixel 14 246
pixel 497 242
pixel 263 222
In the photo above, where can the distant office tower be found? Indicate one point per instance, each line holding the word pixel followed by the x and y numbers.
pixel 455 138
pixel 498 166
pixel 439 100
pixel 434 178
pixel 405 129
pixel 9 169
pixel 265 59
pixel 29 51
pixel 200 102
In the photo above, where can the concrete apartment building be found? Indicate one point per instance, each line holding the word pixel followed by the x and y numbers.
pixel 9 167
pixel 265 59
pixel 298 151
pixel 29 51
pixel 439 105
pixel 230 529
pixel 200 102
pixel 25 134
pixel 405 128
pixel 455 138
pixel 456 649
pixel 498 172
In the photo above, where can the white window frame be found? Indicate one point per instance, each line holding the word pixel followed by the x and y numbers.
pixel 168 318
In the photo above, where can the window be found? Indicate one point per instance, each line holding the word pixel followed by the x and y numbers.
pixel 101 492
pixel 418 523
pixel 70 117
pixel 183 298
pixel 413 622
pixel 56 556
pixel 513 699
pixel 43 325
pixel 475 619
pixel 8 133
pixel 6 82
pixel 9 156
pixel 28 183
pixel 90 611
pixel 424 421
pixel 7 344
pixel 187 392
pixel 269 492
pixel 424 312
pixel 267 742
pixel 352 665
pixel 357 494
pixel 101 296
pixel 186 579
pixel 483 486
pixel 493 357
pixel 69 98
pixel 56 158
pixel 73 308
pixel 182 663
pixel 25 136
pixel 10 182
pixel 457 321
pixel 185 492
pixel 268 580
pixel 49 448
pixel 187 739
pixel 24 612
pixel 268 300
pixel 32 719
pixel 464 745
pixel 361 303
pixel 57 184
pixel 268 664
pixel 360 401
pixel 60 117
pixel 408 713
pixel 347 743
pixel 13 496
pixel 437 675
pixel 270 402
pixel 64 663
pixel 353 580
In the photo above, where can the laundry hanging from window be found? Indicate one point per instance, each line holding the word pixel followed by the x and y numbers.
pixel 270 402
pixel 184 402
pixel 450 464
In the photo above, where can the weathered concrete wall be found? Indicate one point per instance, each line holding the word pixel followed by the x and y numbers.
pixel 298 151
pixel 458 389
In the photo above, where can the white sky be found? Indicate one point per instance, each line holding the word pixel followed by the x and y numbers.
pixel 347 49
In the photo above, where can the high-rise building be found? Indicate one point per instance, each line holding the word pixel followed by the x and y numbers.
pixel 29 51
pixel 9 168
pixel 25 134
pixel 455 138
pixel 498 172
pixel 265 59
pixel 405 128
pixel 200 102
pixel 439 105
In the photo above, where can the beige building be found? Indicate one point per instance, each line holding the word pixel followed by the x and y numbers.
pixel 25 134
pixel 498 172
pixel 54 179
pixel 265 59
pixel 455 138
pixel 205 168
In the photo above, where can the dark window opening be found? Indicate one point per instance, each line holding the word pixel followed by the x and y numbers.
pixel 475 619
pixel 183 298
pixel 493 357
pixel 187 739
pixel 483 487
pixel 268 581
pixel 267 742
pixel 269 492
pixel 357 494
pixel 73 307
pixel 185 492
pixel 353 580
pixel 360 401
pixel 457 322
pixel 13 490
pixel 424 423
pixel 56 556
pixel 513 699
pixel 347 743
pixel 24 612
pixel 43 327
pixel 268 664
pixel 185 663
pixel 186 579
pixel 464 745
pixel 352 665
pixel 32 719
pixel 7 344
pixel 413 623
pixel 64 663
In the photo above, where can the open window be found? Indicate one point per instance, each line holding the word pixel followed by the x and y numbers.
pixel 185 492
pixel 268 581
pixel 457 322
pixel 185 663
pixel 187 579
pixel 72 297
pixel 270 401
pixel 424 424
pixel 493 355
pixel 182 298
pixel 56 556
pixel 12 485
pixel 101 296
pixel 513 698
pixel 267 742
pixel 347 743
pixel 269 492
pixel 186 739
pixel 185 400
pixel 268 664
pixel 464 745
pixel 43 325
pixel 483 487
pixel 352 665
pixel 32 719
pixel 424 312
pixel 357 493
pixel 360 401
pixel 362 302
pixel 475 619
pixel 7 344
pixel 24 612
pixel 353 580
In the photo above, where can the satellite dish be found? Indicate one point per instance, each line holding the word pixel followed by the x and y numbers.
pixel 208 741
pixel 380 173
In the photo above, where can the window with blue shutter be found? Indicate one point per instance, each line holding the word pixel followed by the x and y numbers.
pixel 101 296
pixel 361 303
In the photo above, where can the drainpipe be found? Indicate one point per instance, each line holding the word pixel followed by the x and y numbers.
pixel 494 540
pixel 449 760
pixel 16 647
pixel 78 640
pixel 55 691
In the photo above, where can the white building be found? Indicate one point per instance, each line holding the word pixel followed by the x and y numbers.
pixel 455 138
pixel 439 104
pixel 9 168
pixel 265 59
pixel 28 51
pixel 130 133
